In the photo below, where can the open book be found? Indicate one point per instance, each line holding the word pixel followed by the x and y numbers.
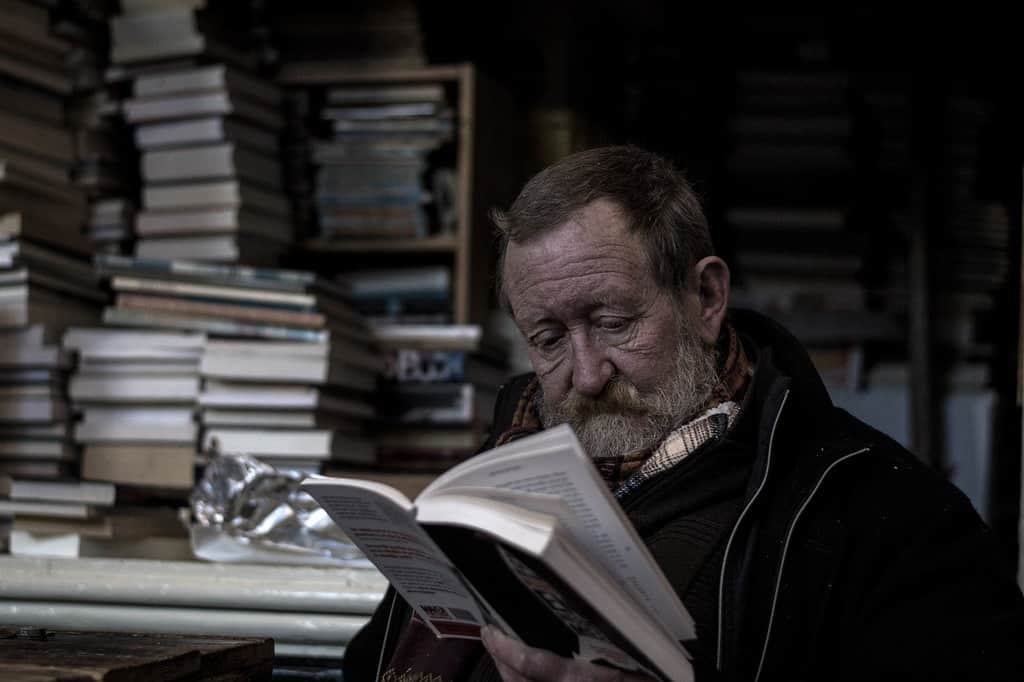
pixel 528 538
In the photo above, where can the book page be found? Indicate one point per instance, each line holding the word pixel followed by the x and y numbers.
pixel 553 463
pixel 383 528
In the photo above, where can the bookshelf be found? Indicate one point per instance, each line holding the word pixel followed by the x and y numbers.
pixel 481 109
pixel 441 244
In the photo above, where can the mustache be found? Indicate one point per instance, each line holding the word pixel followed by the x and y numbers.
pixel 618 397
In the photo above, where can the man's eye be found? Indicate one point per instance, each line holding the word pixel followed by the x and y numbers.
pixel 547 341
pixel 612 324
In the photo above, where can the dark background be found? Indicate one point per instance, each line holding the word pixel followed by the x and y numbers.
pixel 934 104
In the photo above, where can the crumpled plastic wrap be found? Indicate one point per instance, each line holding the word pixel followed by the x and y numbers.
pixel 246 511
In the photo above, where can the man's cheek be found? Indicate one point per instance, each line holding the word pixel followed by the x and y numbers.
pixel 643 372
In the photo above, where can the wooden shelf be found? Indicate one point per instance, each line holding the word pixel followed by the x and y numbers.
pixel 423 245
pixel 329 72
pixel 486 131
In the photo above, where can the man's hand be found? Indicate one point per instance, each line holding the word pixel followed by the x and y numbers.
pixel 520 663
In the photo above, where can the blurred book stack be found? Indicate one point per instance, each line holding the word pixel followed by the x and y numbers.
pixel 79 519
pixel 46 280
pixel 886 156
pixel 801 253
pixel 37 149
pixel 35 433
pixel 297 162
pixel 436 402
pixel 207 125
pixel 972 252
pixel 135 393
pixel 288 367
pixel 385 170
pixel 105 164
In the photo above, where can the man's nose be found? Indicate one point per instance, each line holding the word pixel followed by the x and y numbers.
pixel 591 368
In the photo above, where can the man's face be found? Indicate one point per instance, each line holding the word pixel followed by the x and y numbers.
pixel 616 355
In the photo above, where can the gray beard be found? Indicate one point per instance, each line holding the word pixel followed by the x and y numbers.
pixel 621 420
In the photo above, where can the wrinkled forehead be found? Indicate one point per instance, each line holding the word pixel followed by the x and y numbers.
pixel 595 234
pixel 574 270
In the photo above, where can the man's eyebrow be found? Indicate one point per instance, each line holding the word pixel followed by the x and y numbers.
pixel 614 299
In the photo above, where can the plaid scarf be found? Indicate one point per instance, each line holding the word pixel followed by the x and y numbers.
pixel 625 472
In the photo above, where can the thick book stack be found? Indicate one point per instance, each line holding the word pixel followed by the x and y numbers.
pixel 972 250
pixel 104 163
pixel 801 255
pixel 136 392
pixel 111 224
pixel 79 519
pixel 435 405
pixel 293 405
pixel 106 169
pixel 35 432
pixel 46 283
pixel 37 149
pixel 297 163
pixel 385 162
pixel 288 367
pixel 46 280
pixel 55 129
pixel 311 612
pixel 207 132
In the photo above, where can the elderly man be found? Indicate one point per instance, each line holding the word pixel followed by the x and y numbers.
pixel 805 544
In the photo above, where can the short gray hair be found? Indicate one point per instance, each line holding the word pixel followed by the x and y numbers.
pixel 659 205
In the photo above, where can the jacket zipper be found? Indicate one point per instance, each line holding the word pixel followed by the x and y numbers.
pixel 785 549
pixel 736 526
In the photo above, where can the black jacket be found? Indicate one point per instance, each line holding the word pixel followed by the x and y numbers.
pixel 850 560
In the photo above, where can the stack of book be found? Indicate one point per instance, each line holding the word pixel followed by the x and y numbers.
pixel 50 126
pixel 288 366
pixel 208 138
pixel 106 168
pixel 801 254
pixel 435 405
pixel 293 405
pixel 111 224
pixel 80 519
pixel 46 281
pixel 974 246
pixel 42 290
pixel 311 612
pixel 296 160
pixel 410 295
pixel 384 163
pixel 105 164
pixel 35 438
pixel 136 394
pixel 37 149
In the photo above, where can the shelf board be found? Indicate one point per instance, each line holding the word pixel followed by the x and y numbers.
pixel 440 243
pixel 331 72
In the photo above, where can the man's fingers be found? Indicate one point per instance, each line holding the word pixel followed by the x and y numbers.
pixel 508 674
pixel 517 662
pixel 527 663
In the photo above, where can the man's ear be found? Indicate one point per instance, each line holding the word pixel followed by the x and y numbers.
pixel 711 276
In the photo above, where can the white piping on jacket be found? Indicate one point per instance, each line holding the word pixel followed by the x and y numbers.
pixel 785 549
pixel 735 528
